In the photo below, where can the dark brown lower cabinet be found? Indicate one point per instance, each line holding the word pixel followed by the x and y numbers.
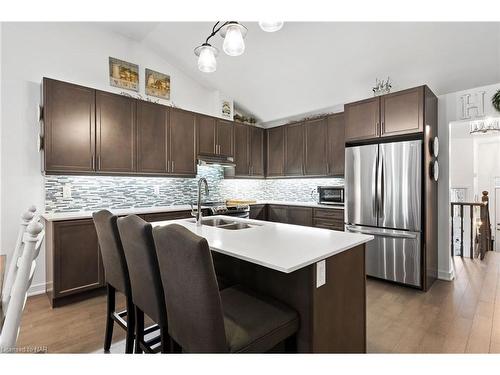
pixel 328 218
pixel 258 212
pixel 73 260
pixel 290 214
pixel 277 213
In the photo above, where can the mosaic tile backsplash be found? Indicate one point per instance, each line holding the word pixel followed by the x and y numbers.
pixel 89 193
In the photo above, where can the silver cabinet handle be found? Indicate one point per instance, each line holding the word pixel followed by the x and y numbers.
pixel 381 234
pixel 99 162
pixel 93 162
pixel 172 166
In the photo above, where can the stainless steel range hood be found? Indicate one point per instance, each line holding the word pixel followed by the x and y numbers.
pixel 223 161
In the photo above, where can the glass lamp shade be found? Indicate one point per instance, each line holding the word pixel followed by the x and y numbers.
pixel 271 26
pixel 233 45
pixel 206 58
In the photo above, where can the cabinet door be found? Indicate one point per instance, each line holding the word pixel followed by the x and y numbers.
pixel 300 216
pixel 336 145
pixel 277 213
pixel 294 149
pixel 241 150
pixel 275 151
pixel 362 120
pixel 402 112
pixel 225 133
pixel 77 259
pixel 162 216
pixel 69 127
pixel 116 133
pixel 152 123
pixel 182 129
pixel 257 152
pixel 315 163
pixel 258 212
pixel 206 128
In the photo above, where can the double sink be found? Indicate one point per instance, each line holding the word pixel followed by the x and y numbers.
pixel 224 224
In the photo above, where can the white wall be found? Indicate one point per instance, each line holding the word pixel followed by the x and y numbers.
pixel 449 110
pixel 71 52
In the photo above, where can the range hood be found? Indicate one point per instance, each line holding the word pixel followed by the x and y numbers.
pixel 223 161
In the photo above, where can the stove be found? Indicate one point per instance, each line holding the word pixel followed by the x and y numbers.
pixel 221 208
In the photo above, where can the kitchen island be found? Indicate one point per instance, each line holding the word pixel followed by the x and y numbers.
pixel 318 272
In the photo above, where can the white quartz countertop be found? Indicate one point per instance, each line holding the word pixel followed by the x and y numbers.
pixel 282 247
pixel 60 216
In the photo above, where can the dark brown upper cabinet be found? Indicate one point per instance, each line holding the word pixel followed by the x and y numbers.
pixel 402 112
pixel 315 162
pixel 394 114
pixel 182 145
pixel 241 150
pixel 224 144
pixel 206 130
pixel 294 149
pixel 256 151
pixel 152 125
pixel 276 151
pixel 336 144
pixel 68 127
pixel 115 133
pixel 362 120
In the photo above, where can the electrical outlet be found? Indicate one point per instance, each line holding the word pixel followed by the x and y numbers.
pixel 156 190
pixel 320 273
pixel 66 191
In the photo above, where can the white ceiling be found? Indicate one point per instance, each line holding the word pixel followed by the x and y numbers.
pixel 310 66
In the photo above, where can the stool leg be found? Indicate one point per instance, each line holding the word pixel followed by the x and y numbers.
pixel 129 344
pixel 139 330
pixel 108 336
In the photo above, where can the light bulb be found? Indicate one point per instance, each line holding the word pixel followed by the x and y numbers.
pixel 206 58
pixel 233 42
pixel 271 26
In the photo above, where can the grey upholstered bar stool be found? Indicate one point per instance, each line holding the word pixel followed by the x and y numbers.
pixel 145 280
pixel 117 278
pixel 203 320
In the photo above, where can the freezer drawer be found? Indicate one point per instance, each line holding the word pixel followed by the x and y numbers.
pixel 393 255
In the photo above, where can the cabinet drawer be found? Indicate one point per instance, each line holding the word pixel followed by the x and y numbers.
pixel 328 213
pixel 333 224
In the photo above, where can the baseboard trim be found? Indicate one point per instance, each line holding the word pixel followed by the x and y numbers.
pixel 446 275
pixel 36 289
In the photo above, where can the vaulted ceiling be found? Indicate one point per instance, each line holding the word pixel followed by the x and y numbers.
pixel 309 66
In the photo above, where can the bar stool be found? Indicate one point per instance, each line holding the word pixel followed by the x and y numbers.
pixel 117 278
pixel 145 280
pixel 203 320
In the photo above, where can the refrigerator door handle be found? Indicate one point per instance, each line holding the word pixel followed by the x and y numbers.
pixel 381 186
pixel 351 228
pixel 374 187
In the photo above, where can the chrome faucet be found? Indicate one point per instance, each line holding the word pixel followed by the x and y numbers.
pixel 198 214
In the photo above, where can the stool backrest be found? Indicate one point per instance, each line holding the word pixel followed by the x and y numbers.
pixel 195 316
pixel 23 276
pixel 113 257
pixel 140 254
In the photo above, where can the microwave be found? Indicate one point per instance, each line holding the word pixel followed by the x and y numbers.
pixel 333 195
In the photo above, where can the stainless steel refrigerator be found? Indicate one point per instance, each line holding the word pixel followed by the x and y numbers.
pixel 383 192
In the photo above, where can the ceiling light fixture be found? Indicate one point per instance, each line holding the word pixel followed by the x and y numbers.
pixel 271 26
pixel 234 42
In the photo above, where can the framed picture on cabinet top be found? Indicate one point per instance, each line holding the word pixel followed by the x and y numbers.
pixel 157 84
pixel 123 74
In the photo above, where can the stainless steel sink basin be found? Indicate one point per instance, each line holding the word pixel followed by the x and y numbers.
pixel 224 224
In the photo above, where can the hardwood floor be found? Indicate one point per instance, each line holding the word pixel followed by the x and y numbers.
pixel 462 316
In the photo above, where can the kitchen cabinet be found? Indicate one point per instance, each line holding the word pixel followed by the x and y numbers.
pixel 277 213
pixel 258 212
pixel 394 114
pixel 299 215
pixel 256 151
pixel 316 156
pixel 152 126
pixel 275 151
pixel 162 216
pixel 362 120
pixel 294 149
pixel 241 150
pixel 225 138
pixel 182 143
pixel 206 128
pixel 328 218
pixel 335 145
pixel 73 259
pixel 68 127
pixel 402 112
pixel 115 133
